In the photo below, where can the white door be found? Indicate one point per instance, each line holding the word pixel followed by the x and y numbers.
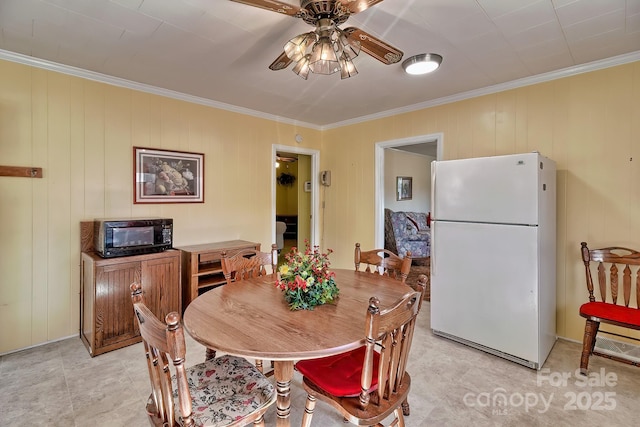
pixel 484 285
pixel 501 189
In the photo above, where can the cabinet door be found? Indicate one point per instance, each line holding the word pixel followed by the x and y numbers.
pixel 114 320
pixel 161 285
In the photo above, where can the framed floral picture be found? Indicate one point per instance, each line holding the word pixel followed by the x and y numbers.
pixel 403 185
pixel 162 176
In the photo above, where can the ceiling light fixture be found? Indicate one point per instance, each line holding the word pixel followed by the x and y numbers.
pixel 422 64
pixel 326 50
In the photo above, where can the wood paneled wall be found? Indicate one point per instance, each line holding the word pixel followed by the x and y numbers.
pixel 82 133
pixel 587 123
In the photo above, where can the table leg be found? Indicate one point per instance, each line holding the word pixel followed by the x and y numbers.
pixel 283 373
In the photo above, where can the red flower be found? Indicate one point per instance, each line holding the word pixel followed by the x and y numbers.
pixel 300 283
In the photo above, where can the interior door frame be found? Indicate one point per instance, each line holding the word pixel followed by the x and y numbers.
pixel 379 175
pixel 315 201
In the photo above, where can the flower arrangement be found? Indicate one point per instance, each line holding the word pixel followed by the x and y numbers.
pixel 306 280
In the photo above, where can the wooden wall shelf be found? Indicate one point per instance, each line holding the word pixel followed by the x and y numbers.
pixel 21 171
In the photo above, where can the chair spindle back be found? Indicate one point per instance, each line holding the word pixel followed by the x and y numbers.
pixel 610 264
pixel 383 262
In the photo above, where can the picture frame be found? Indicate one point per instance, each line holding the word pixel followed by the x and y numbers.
pixel 165 176
pixel 404 188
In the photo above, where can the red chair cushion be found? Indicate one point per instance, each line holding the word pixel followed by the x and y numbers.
pixel 339 375
pixel 608 311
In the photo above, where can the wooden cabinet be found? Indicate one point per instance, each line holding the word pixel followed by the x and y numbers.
pixel 106 311
pixel 201 267
pixel 292 225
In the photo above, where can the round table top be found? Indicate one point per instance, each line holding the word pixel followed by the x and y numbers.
pixel 251 318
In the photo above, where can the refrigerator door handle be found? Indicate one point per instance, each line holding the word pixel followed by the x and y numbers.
pixel 433 225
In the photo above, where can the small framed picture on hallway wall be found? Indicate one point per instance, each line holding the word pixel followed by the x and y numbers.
pixel 161 176
pixel 403 187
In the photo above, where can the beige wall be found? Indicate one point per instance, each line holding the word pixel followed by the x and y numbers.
pixel 293 200
pixel 287 195
pixel 82 133
pixel 587 123
pixel 304 200
pixel 418 167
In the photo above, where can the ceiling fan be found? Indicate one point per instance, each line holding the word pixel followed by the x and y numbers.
pixel 285 159
pixel 328 48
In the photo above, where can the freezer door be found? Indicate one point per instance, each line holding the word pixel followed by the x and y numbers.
pixel 501 189
pixel 484 285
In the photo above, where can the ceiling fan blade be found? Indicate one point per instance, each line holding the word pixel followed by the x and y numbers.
pixel 286 159
pixel 359 5
pixel 281 62
pixel 375 47
pixel 275 6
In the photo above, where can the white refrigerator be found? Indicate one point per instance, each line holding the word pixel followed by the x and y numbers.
pixel 493 254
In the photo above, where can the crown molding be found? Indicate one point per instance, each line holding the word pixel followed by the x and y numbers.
pixel 514 84
pixel 116 81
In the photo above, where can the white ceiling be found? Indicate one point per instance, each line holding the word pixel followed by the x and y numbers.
pixel 428 148
pixel 217 51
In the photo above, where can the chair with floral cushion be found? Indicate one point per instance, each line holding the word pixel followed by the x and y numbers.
pixel 370 383
pixel 384 262
pixel 225 391
pixel 246 264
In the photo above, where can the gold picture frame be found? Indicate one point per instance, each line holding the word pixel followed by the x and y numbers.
pixel 164 176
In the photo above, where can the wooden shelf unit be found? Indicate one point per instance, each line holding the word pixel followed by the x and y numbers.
pixel 201 266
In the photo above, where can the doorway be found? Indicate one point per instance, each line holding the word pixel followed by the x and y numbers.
pixel 414 144
pixel 295 204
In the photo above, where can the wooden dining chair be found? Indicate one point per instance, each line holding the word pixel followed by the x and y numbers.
pixel 370 383
pixel 383 262
pixel 226 391
pixel 614 304
pixel 246 264
pixel 249 263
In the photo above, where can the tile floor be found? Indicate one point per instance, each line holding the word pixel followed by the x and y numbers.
pixel 58 384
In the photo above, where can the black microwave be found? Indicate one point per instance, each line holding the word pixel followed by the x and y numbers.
pixel 135 236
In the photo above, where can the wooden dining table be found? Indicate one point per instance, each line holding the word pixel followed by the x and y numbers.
pixel 251 319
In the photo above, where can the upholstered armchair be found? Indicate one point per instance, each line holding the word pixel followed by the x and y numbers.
pixel 281 227
pixel 407 232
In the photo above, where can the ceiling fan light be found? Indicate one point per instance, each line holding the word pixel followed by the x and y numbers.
pixel 297 47
pixel 347 69
pixel 323 57
pixel 422 64
pixel 302 67
pixel 350 47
